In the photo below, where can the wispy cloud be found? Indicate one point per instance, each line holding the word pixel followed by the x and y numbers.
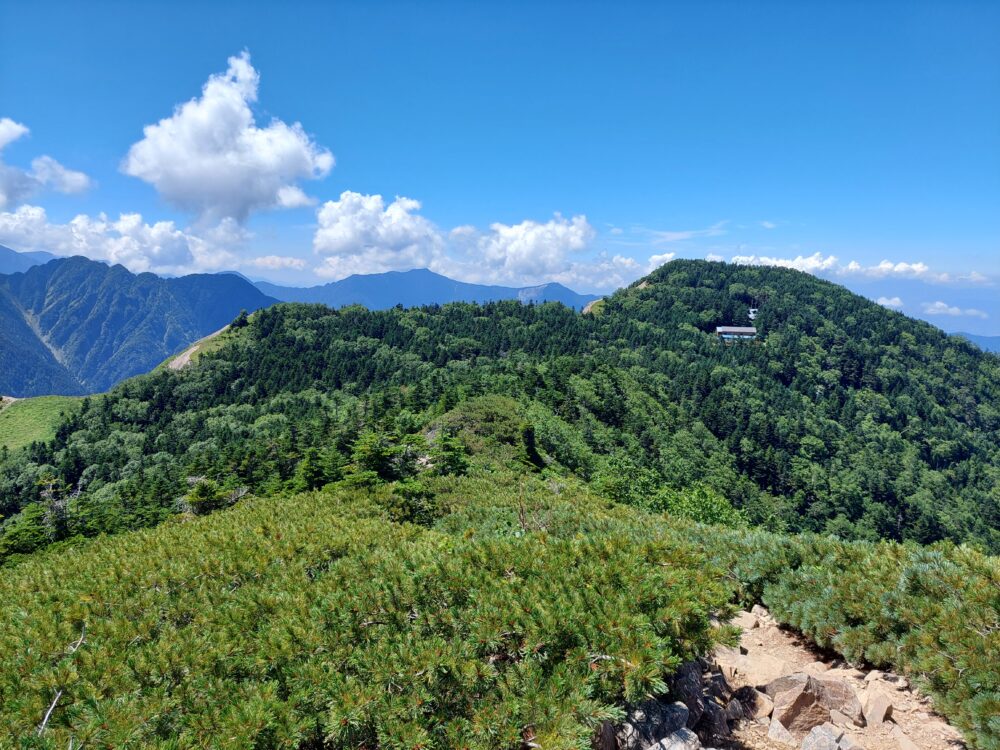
pixel 943 308
pixel 18 185
pixel 665 236
pixel 814 263
pixel 831 265
pixel 894 302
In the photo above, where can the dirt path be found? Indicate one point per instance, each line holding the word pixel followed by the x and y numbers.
pixel 183 359
pixel 767 650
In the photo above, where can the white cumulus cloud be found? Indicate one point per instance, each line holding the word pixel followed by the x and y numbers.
pixel 943 308
pixel 10 131
pixel 361 234
pixel 532 251
pixel 815 263
pixel 211 158
pixel 159 247
pixel 17 185
pixel 830 265
pixel 364 234
pixel 894 302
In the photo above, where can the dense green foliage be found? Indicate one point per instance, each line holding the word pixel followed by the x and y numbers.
pixel 845 418
pixel 74 326
pixel 518 608
pixel 484 524
pixel 316 621
pixel 33 420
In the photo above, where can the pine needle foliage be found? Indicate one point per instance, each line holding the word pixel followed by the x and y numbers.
pixel 314 621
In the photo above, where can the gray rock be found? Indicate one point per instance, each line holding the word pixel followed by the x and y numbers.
pixel 682 739
pixel 604 738
pixel 736 711
pixel 824 737
pixel 718 687
pixel 649 722
pixel 714 722
pixel 686 687
pixel 779 734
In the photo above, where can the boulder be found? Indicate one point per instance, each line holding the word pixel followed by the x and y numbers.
pixel 777 732
pixel 874 675
pixel 649 722
pixel 799 710
pixel 604 737
pixel 685 686
pixel 838 695
pixel 785 683
pixel 746 620
pixel 803 701
pixel 878 708
pixel 736 711
pixel 823 737
pixel 681 739
pixel 714 722
pixel 755 669
pixel 841 720
pixel 717 687
pixel 816 667
pixel 756 705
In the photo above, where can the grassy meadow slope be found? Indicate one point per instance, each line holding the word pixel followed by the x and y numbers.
pixel 30 420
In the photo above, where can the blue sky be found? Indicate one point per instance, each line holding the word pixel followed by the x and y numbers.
pixel 513 142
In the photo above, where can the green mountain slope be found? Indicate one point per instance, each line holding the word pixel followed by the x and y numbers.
pixel 27 366
pixel 843 418
pixel 31 420
pixel 12 261
pixel 94 325
pixel 447 526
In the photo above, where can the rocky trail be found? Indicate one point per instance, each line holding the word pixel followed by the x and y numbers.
pixel 776 692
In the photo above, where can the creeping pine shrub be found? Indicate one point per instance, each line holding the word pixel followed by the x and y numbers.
pixel 314 621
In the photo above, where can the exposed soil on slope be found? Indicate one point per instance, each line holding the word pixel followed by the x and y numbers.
pixel 913 724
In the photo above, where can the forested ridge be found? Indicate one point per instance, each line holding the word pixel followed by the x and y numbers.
pixel 73 326
pixel 498 526
pixel 844 418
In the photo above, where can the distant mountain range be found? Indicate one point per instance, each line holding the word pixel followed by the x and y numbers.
pixel 73 326
pixel 987 343
pixel 11 261
pixel 381 291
